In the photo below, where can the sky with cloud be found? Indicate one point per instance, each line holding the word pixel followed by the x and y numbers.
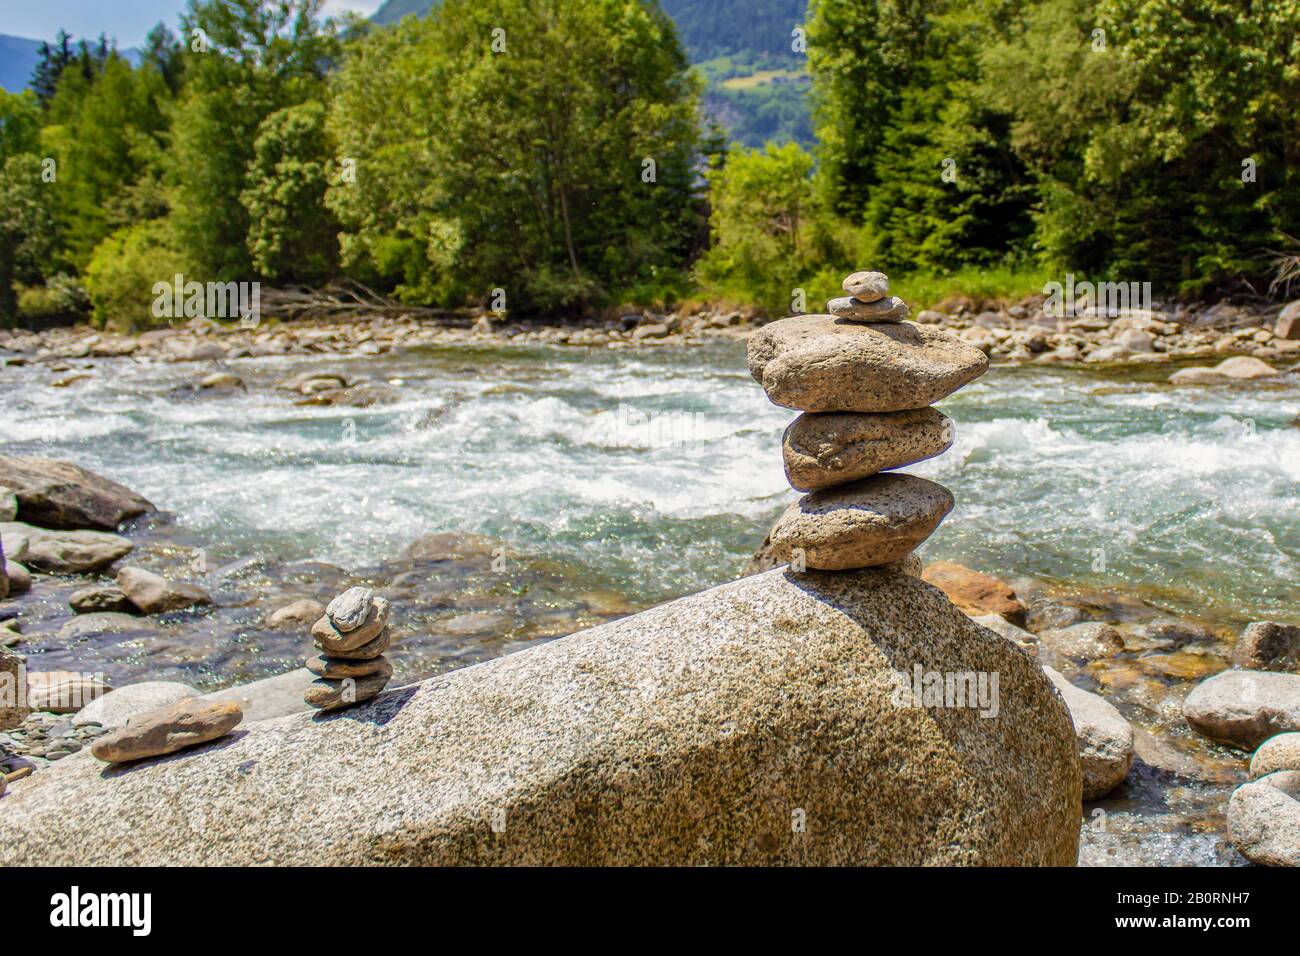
pixel 126 20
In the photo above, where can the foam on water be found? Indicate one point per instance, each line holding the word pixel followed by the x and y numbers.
pixel 661 470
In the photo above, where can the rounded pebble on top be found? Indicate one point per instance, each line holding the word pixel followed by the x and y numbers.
pixel 349 610
pixel 867 286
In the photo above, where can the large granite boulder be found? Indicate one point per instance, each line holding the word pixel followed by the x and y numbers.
pixel 57 494
pixel 761 722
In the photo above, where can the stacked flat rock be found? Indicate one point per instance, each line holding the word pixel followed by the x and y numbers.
pixel 864 379
pixel 352 638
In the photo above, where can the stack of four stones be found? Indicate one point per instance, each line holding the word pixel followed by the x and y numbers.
pixel 352 637
pixel 864 380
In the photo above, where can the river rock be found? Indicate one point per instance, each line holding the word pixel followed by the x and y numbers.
pixel 60 495
pixel 693 733
pixel 1244 367
pixel 888 309
pixel 817 363
pixel 8 505
pixel 13 683
pixel 63 692
pixel 1268 646
pixel 1087 641
pixel 1243 708
pixel 349 610
pixel 98 598
pixel 1288 322
pixel 1104 737
pixel 331 640
pixel 824 450
pixel 867 286
pixel 327 694
pixel 1264 821
pixel 154 594
pixel 115 707
pixel 103 622
pixel 869 522
pixel 63 552
pixel 18 578
pixel 186 723
pixel 366 652
pixel 974 592
pixel 337 668
pixel 1280 752
pixel 298 615
pixel 221 382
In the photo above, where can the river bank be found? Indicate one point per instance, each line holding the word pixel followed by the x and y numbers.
pixel 568 486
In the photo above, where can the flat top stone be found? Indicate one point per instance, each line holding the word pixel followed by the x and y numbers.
pixel 821 450
pixel 349 610
pixel 819 363
pixel 168 729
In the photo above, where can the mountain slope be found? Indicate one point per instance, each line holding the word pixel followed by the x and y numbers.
pixel 18 57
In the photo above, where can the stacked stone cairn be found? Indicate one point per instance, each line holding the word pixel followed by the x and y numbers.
pixel 864 380
pixel 352 638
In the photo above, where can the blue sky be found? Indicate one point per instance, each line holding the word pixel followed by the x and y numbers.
pixel 126 20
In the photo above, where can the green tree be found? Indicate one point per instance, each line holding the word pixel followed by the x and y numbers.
pixel 568 127
pixel 20 123
pixel 246 59
pixel 28 231
pixel 292 235
pixel 770 231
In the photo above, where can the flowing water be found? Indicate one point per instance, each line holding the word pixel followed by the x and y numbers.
pixel 618 479
pixel 656 472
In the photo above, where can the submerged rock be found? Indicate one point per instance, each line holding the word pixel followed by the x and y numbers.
pixel 1268 646
pixel 697 732
pixel 974 592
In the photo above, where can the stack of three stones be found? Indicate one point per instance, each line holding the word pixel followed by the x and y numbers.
pixel 865 380
pixel 352 636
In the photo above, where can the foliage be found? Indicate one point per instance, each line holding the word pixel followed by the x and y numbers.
pixel 291 234
pixel 28 231
pixel 121 274
pixel 575 140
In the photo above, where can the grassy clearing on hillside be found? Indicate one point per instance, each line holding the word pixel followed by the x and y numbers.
pixel 762 78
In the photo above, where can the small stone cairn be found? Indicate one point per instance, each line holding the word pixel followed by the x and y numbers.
pixel 864 380
pixel 352 637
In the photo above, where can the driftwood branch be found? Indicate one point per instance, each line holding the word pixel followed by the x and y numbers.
pixel 346 299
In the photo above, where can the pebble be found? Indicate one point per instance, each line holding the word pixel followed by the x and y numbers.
pixel 186 723
pixel 867 286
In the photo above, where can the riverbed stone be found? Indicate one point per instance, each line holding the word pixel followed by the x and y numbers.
pixel 18 577
pixel 100 597
pixel 333 641
pixel 104 622
pixel 690 734
pixel 301 614
pixel 63 692
pixel 60 495
pixel 1264 821
pixel 62 552
pixel 1104 737
pixel 974 592
pixel 153 594
pixel 8 505
pixel 867 286
pixel 888 309
pixel 1086 641
pixel 349 610
pixel 13 684
pixel 863 524
pixel 186 723
pixel 115 707
pixel 1279 752
pixel 1268 646
pixel 268 697
pixel 817 363
pixel 834 448
pixel 1243 708
pixel 335 694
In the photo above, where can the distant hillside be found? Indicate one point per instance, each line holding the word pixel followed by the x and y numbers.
pixel 729 40
pixel 18 57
